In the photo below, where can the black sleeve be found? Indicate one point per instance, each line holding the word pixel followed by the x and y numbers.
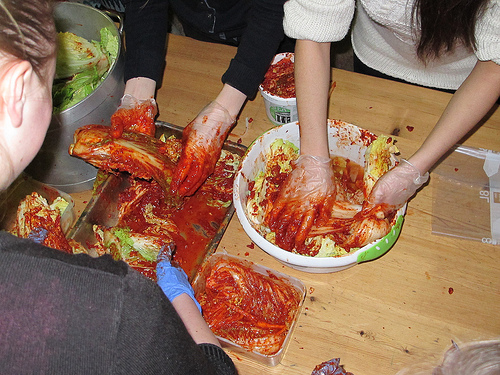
pixel 152 338
pixel 258 46
pixel 73 314
pixel 145 29
pixel 220 360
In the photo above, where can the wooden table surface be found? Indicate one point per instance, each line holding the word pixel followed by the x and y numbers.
pixel 381 316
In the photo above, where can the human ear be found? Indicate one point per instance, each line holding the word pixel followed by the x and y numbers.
pixel 14 90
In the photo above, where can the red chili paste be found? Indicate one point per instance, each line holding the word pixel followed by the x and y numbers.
pixel 248 308
pixel 279 79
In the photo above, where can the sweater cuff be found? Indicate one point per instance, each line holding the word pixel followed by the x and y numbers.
pixel 243 78
pixel 318 20
pixel 221 361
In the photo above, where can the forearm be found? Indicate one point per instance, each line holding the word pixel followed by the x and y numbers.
pixel 141 88
pixel 145 29
pixel 193 320
pixel 231 99
pixel 312 82
pixel 467 107
pixel 258 45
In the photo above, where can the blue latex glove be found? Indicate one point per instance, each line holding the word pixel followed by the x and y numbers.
pixel 173 280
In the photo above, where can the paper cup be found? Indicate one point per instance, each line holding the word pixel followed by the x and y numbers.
pixel 280 110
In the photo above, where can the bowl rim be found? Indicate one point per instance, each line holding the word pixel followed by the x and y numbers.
pixel 377 247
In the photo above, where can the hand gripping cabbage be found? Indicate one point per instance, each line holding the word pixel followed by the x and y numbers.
pixel 349 226
pixel 140 155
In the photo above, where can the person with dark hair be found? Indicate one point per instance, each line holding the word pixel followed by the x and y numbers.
pixel 73 314
pixel 443 44
pixel 254 26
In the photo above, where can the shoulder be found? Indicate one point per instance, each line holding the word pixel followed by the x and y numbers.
pixel 488 33
pixel 15 246
pixel 321 20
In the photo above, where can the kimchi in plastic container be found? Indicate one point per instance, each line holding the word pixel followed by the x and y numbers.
pixel 251 270
pixel 278 90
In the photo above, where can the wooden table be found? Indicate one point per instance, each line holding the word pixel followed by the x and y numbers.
pixel 381 316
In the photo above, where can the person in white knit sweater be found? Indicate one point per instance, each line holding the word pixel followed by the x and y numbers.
pixel 443 44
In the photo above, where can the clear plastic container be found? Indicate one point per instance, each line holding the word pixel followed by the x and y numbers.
pixel 466 195
pixel 199 286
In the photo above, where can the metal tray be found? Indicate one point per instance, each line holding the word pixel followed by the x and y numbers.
pixel 102 208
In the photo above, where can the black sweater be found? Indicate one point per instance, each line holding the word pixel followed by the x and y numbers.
pixel 73 314
pixel 255 26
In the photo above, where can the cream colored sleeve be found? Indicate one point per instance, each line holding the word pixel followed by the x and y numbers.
pixel 318 20
pixel 488 33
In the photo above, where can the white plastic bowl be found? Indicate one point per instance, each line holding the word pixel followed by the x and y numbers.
pixel 345 140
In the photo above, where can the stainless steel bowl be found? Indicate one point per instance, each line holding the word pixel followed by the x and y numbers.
pixel 53 165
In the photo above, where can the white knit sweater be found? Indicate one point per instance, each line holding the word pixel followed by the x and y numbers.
pixel 383 38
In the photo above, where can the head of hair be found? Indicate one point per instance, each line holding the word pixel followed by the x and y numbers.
pixel 27 31
pixel 471 358
pixel 474 358
pixel 442 24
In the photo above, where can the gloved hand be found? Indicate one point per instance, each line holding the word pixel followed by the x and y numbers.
pixel 171 279
pixel 305 198
pixel 134 115
pixel 202 142
pixel 397 186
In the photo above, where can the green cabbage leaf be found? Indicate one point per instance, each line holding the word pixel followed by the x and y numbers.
pixel 81 65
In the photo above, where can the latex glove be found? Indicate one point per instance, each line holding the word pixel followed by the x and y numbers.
pixel 397 186
pixel 134 115
pixel 202 142
pixel 306 196
pixel 172 279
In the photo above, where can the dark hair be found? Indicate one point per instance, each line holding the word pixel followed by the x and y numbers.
pixel 27 31
pixel 444 23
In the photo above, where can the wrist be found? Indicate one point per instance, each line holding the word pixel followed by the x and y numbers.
pixel 314 159
pixel 418 177
pixel 231 99
pixel 220 114
pixel 141 88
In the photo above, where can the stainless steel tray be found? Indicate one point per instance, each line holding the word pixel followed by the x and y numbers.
pixel 102 208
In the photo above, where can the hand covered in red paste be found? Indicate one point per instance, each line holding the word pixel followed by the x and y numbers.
pixel 395 187
pixel 134 115
pixel 202 142
pixel 304 199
